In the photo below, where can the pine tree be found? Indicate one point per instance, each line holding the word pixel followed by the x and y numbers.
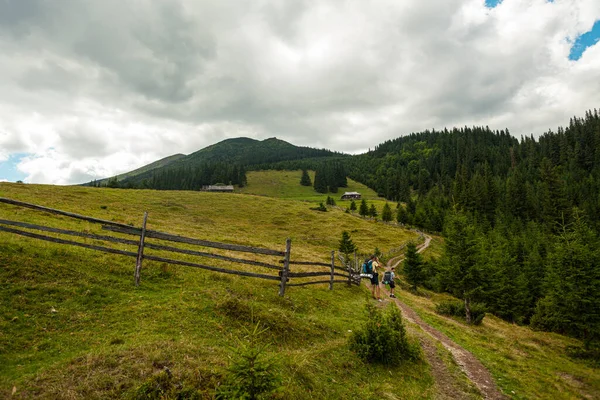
pixel 462 274
pixel 413 266
pixel 364 209
pixel 252 374
pixel 571 302
pixel 373 211
pixel 352 205
pixel 320 183
pixel 401 215
pixel 305 180
pixel 346 246
pixel 386 214
pixel 553 202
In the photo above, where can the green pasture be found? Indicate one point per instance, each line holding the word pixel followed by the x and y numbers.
pixel 73 325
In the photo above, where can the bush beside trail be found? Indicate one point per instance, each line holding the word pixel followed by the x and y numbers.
pixel 383 338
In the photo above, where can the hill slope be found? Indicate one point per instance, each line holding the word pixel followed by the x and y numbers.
pixel 163 162
pixel 246 152
pixel 74 325
pixel 251 152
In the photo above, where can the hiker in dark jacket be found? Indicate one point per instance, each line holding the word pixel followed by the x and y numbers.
pixel 388 279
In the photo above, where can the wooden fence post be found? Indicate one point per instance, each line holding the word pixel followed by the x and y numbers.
pixel 357 267
pixel 286 266
pixel 140 255
pixel 350 269
pixel 332 269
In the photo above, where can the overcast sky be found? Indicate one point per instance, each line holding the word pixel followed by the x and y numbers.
pixel 92 88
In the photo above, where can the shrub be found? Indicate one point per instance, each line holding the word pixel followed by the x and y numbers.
pixel 457 309
pixel 251 375
pixel 383 338
pixel 320 208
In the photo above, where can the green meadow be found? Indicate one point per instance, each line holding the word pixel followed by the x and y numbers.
pixel 73 325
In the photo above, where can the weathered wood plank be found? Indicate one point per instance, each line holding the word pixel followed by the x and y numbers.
pixel 140 256
pixel 314 264
pixel 60 212
pixel 286 266
pixel 136 243
pixel 308 263
pixel 315 282
pixel 215 269
pixel 68 232
pixel 69 242
pixel 332 269
pixel 210 255
pixel 182 239
pixel 309 274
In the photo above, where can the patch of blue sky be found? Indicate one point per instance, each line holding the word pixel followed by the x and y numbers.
pixel 492 3
pixel 8 168
pixel 584 41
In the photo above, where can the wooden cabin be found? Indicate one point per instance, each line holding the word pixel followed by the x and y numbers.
pixel 217 188
pixel 351 196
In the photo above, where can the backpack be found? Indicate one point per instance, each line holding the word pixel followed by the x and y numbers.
pixel 367 267
pixel 387 277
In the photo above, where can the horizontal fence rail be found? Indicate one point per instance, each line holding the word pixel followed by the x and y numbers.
pixel 284 275
pixel 182 239
pixel 321 282
pixel 70 242
pixel 60 212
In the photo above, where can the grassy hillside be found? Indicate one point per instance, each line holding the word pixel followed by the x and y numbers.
pixel 74 326
pixel 286 185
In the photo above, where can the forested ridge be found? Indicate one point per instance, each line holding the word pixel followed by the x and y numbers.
pixel 520 218
pixel 489 173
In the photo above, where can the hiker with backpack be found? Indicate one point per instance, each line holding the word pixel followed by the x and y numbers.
pixel 375 279
pixel 388 279
pixel 369 270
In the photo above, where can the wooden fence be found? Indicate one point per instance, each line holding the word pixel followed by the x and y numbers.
pixel 284 274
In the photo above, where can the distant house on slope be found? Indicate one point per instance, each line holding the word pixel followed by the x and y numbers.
pixel 351 196
pixel 217 188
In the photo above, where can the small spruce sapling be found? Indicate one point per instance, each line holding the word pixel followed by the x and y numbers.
pixel 346 246
pixel 252 374
pixel 386 214
pixel 373 211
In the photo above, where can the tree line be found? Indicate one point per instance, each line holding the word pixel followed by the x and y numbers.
pixel 184 177
pixel 520 217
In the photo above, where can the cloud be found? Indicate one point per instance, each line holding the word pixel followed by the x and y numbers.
pixel 93 88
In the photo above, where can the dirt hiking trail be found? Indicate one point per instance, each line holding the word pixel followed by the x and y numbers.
pixel 446 384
